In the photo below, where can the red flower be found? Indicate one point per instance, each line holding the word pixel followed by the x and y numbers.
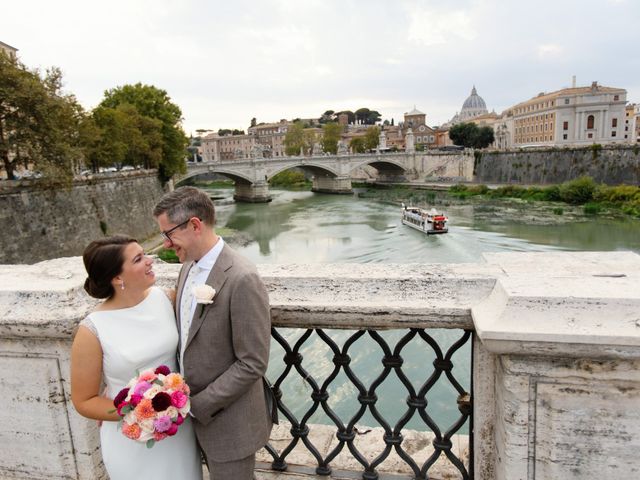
pixel 135 399
pixel 162 370
pixel 161 401
pixel 179 420
pixel 120 397
pixel 173 429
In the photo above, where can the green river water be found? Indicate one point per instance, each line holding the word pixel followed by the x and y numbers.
pixel 303 227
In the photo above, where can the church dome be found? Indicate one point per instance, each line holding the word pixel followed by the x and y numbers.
pixel 474 103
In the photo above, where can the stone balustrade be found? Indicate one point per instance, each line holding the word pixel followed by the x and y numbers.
pixel 556 367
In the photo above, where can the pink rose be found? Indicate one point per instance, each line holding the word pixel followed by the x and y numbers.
pixel 147 376
pixel 179 420
pixel 141 387
pixel 135 399
pixel 179 399
pixel 172 430
pixel 157 436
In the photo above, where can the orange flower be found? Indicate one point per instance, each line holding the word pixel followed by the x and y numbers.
pixel 131 431
pixel 144 409
pixel 173 381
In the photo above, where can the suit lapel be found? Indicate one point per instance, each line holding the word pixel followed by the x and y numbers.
pixel 217 278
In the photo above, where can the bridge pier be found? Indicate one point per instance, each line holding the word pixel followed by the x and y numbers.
pixel 252 192
pixel 340 185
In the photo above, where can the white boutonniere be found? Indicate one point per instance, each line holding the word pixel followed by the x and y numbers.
pixel 204 294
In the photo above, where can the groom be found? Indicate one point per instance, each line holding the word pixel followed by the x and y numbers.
pixel 224 336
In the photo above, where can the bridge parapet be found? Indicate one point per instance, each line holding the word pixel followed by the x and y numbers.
pixel 556 355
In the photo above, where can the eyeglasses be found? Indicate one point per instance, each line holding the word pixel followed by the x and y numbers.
pixel 165 234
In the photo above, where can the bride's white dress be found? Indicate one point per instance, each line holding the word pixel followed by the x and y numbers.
pixel 134 339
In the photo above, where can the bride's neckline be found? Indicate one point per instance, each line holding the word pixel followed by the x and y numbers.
pixel 126 308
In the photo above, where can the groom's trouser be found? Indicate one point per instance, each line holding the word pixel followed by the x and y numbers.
pixel 237 470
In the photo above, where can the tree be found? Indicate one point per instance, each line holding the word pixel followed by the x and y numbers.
pixel 328 116
pixel 469 135
pixel 367 117
pixel 38 122
pixel 330 137
pixel 298 139
pixel 357 145
pixel 154 103
pixel 485 137
pixel 372 138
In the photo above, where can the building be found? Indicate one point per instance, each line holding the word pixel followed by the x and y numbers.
pixel 271 136
pixel 216 148
pixel 8 49
pixel 417 122
pixel 474 109
pixel 474 106
pixel 632 123
pixel 268 136
pixel 570 116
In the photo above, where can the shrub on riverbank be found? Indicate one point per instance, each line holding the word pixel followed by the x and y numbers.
pixel 581 191
pixel 289 178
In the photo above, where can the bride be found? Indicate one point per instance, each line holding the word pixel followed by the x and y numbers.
pixel 133 329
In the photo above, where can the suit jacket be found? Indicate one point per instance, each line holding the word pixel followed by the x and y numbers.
pixel 225 358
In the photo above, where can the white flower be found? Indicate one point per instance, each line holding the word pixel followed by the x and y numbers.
pixel 204 294
pixel 152 392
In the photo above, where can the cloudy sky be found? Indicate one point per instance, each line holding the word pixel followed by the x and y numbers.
pixel 224 62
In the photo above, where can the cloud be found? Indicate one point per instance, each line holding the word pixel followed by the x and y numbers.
pixel 549 51
pixel 432 27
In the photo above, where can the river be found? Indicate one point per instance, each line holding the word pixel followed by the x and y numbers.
pixel 303 227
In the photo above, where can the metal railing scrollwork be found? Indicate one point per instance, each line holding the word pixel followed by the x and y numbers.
pixel 417 404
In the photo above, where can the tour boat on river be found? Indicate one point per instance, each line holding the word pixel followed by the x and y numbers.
pixel 430 222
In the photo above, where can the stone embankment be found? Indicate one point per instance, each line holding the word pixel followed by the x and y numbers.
pixel 38 224
pixel 611 165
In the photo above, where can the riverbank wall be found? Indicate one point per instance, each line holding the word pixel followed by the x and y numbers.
pixel 38 224
pixel 612 165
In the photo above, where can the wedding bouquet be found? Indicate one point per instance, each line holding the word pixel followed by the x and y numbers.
pixel 153 405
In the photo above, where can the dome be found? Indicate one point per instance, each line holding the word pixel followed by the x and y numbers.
pixel 474 103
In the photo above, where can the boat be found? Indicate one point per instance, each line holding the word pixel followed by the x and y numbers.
pixel 430 222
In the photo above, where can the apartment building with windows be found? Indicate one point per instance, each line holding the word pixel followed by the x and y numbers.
pixel 570 116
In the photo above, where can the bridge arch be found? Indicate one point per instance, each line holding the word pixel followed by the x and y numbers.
pixel 235 176
pixel 389 166
pixel 311 167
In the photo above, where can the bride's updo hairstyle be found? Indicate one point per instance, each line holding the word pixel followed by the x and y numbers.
pixel 103 261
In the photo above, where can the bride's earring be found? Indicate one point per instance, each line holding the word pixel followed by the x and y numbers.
pixel 122 285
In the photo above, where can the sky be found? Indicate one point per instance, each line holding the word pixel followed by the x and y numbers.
pixel 225 62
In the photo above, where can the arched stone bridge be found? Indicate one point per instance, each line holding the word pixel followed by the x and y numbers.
pixel 331 173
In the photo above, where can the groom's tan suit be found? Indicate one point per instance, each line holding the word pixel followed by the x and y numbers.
pixel 225 358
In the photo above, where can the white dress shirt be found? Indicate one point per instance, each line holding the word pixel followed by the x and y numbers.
pixel 204 267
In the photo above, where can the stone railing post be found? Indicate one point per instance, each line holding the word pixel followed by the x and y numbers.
pixel 557 368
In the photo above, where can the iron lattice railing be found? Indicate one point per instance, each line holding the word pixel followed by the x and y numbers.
pixel 417 403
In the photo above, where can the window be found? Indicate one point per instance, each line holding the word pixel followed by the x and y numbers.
pixel 614 122
pixel 566 101
pixel 565 125
pixel 613 134
pixel 590 135
pixel 564 137
pixel 590 122
pixel 616 98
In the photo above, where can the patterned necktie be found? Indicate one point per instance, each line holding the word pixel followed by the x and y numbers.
pixel 186 314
